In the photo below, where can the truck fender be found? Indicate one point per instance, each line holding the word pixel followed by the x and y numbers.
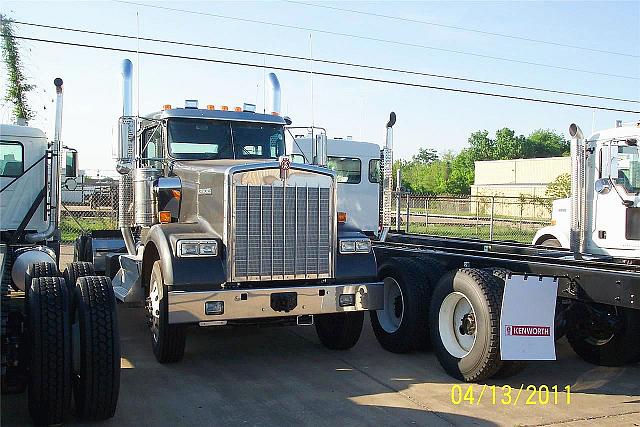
pixel 552 232
pixel 354 267
pixel 193 273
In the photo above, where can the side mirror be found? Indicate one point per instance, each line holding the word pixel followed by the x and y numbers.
pixel 603 186
pixel 71 164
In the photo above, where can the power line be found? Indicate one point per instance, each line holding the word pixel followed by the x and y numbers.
pixel 455 27
pixel 336 75
pixel 327 61
pixel 375 39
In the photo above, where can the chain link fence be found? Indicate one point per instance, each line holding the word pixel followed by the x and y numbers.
pixel 88 204
pixel 93 205
pixel 496 218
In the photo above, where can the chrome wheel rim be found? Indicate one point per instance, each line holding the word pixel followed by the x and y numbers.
pixel 153 308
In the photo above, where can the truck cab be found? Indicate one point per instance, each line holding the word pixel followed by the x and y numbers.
pixel 222 228
pixel 610 212
pixel 357 166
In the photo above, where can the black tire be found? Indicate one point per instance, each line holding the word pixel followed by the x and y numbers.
pixel 168 341
pixel 415 279
pixel 482 359
pixel 39 269
pixel 97 372
pixel 74 271
pixel 621 348
pixel 49 333
pixel 339 331
pixel 551 243
pixel 508 367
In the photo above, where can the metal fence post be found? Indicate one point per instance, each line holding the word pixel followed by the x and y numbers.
pixel 426 212
pixel 477 218
pixel 493 201
pixel 408 214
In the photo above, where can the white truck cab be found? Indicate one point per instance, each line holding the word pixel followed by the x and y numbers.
pixel 20 148
pixel 610 210
pixel 357 165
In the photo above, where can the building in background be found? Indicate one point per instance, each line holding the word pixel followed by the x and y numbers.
pixel 516 178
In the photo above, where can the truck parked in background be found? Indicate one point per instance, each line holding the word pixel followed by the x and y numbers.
pixel 606 194
pixel 222 228
pixel 357 166
pixel 59 330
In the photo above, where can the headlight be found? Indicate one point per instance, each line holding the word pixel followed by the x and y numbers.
pixel 350 246
pixel 191 248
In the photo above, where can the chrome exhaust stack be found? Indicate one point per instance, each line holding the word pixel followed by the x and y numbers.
pixel 126 155
pixel 275 95
pixel 55 198
pixel 576 240
pixel 387 172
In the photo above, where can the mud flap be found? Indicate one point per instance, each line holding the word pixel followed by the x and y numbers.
pixel 527 318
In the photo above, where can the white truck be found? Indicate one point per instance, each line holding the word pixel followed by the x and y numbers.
pixel 606 192
pixel 60 336
pixel 357 166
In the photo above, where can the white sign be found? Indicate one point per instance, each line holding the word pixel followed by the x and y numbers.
pixel 527 318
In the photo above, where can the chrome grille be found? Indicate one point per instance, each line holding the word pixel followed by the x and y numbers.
pixel 281 232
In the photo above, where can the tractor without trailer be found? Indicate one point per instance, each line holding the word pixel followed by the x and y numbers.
pixel 59 329
pixel 451 294
pixel 222 229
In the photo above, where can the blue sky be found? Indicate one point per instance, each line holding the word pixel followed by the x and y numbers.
pixel 426 118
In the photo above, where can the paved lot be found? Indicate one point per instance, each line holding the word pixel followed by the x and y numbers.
pixel 283 376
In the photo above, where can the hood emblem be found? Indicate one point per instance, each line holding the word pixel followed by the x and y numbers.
pixel 285 165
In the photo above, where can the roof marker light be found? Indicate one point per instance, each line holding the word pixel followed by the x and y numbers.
pixel 224 108
pixel 211 107
pixel 238 109
pixel 166 107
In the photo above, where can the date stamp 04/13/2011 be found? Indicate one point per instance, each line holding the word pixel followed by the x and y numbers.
pixel 475 394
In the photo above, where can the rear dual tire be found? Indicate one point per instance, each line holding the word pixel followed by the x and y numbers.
pixel 402 325
pixel 465 325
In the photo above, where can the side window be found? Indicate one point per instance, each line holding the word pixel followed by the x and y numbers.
pixel 374 171
pixel 347 169
pixel 11 159
pixel 152 144
pixel 297 158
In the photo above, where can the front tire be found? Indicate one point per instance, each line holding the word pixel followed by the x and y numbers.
pixel 339 331
pixel 600 345
pixel 50 345
pixel 97 367
pixel 168 341
pixel 465 324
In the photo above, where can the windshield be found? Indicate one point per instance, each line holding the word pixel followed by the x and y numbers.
pixel 217 139
pixel 629 168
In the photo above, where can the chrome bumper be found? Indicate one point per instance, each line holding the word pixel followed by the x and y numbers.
pixel 188 307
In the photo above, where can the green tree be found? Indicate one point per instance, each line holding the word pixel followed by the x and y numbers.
pixel 425 156
pixel 559 188
pixel 17 88
pixel 481 146
pixel 546 143
pixel 507 145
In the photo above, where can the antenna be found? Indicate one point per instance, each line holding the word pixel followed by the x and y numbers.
pixel 138 65
pixel 311 75
pixel 264 84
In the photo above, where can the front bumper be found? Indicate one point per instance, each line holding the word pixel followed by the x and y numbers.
pixel 189 307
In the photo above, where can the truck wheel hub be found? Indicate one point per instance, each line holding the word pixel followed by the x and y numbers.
pixel 457 324
pixel 153 308
pixel 390 318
